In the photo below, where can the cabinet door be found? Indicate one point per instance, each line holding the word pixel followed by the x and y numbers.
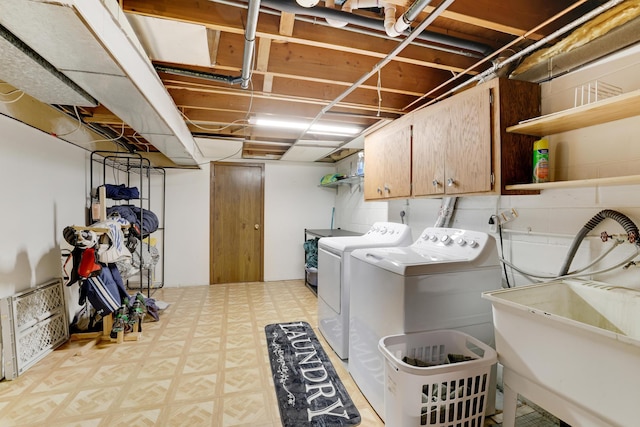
pixel 388 162
pixel 468 154
pixel 430 138
pixel 397 165
pixel 374 166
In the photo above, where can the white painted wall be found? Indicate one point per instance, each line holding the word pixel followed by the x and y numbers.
pixel 352 212
pixel 43 190
pixel 293 202
pixel 186 228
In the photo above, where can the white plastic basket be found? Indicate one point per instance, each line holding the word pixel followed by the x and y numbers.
pixel 444 395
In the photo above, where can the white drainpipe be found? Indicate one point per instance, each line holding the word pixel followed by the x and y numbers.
pixel 393 27
pixel 334 22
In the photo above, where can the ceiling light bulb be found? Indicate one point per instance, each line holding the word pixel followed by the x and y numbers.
pixel 316 128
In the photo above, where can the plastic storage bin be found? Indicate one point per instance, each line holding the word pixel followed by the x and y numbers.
pixel 445 394
pixel 312 275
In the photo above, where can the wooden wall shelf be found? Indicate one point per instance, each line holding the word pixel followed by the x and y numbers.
pixel 607 110
pixel 593 182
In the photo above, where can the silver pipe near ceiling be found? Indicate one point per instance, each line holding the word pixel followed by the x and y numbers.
pixel 178 71
pixel 485 74
pixel 249 42
pixel 424 24
pixel 375 24
pixel 584 18
pixel 359 30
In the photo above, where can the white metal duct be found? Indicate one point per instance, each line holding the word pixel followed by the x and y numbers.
pixel 91 42
pixel 29 72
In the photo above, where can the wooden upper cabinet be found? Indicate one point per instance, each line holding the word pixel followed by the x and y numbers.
pixel 460 146
pixel 388 161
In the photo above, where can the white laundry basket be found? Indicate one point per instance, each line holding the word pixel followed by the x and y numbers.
pixel 445 394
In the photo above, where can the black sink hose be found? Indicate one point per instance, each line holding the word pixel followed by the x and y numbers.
pixel 622 219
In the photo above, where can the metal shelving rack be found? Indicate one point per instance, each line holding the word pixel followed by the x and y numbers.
pixel 137 171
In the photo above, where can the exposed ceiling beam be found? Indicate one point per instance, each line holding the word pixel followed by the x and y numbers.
pixel 287 21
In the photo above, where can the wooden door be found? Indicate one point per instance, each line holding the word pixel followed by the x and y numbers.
pixel 468 160
pixel 237 217
pixel 430 139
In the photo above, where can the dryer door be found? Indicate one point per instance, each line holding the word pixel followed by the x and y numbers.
pixel 330 279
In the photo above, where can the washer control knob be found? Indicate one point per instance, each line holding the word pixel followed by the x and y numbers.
pixel 472 243
pixel 445 239
pixel 425 237
pixel 383 230
pixel 433 238
pixel 461 242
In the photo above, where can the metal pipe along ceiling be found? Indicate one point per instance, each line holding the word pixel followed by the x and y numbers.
pixel 485 75
pixel 375 24
pixel 249 42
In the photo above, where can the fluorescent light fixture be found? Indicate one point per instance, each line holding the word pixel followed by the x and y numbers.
pixel 316 128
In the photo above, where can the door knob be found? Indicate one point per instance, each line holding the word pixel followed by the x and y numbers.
pixel 256 226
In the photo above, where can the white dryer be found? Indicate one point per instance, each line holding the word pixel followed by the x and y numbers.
pixel 334 261
pixel 435 283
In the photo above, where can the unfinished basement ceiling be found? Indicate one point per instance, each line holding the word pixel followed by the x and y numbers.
pixel 305 69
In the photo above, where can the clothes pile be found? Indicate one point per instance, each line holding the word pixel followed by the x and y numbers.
pixel 94 265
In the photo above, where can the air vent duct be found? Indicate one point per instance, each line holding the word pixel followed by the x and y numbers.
pixel 24 69
pixel 92 43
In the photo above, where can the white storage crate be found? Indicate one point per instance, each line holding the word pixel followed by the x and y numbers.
pixel 443 395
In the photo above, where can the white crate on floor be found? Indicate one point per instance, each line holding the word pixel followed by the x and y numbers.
pixel 445 394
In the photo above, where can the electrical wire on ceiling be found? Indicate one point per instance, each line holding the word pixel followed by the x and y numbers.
pixel 78 118
pixel 114 139
pixel 11 92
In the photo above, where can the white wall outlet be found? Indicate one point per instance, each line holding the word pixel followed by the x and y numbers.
pixel 506 216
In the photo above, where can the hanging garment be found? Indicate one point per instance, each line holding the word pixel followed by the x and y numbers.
pixel 105 292
pixel 142 220
pixel 113 247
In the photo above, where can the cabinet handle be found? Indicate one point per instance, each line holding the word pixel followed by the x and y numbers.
pixel 386 189
pixel 435 182
pixel 379 190
pixel 450 182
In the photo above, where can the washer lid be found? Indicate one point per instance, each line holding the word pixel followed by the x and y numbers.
pixel 410 261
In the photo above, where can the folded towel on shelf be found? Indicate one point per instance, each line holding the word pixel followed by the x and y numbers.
pixel 121 192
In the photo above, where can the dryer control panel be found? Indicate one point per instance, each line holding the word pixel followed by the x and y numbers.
pixel 388 231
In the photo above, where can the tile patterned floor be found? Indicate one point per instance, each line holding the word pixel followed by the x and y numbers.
pixel 203 364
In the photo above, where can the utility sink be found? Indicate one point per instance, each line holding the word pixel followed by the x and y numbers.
pixel 573 347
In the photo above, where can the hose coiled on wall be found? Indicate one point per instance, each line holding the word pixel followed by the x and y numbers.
pixel 622 219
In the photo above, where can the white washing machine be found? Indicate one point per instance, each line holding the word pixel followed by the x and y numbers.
pixel 334 261
pixel 435 283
